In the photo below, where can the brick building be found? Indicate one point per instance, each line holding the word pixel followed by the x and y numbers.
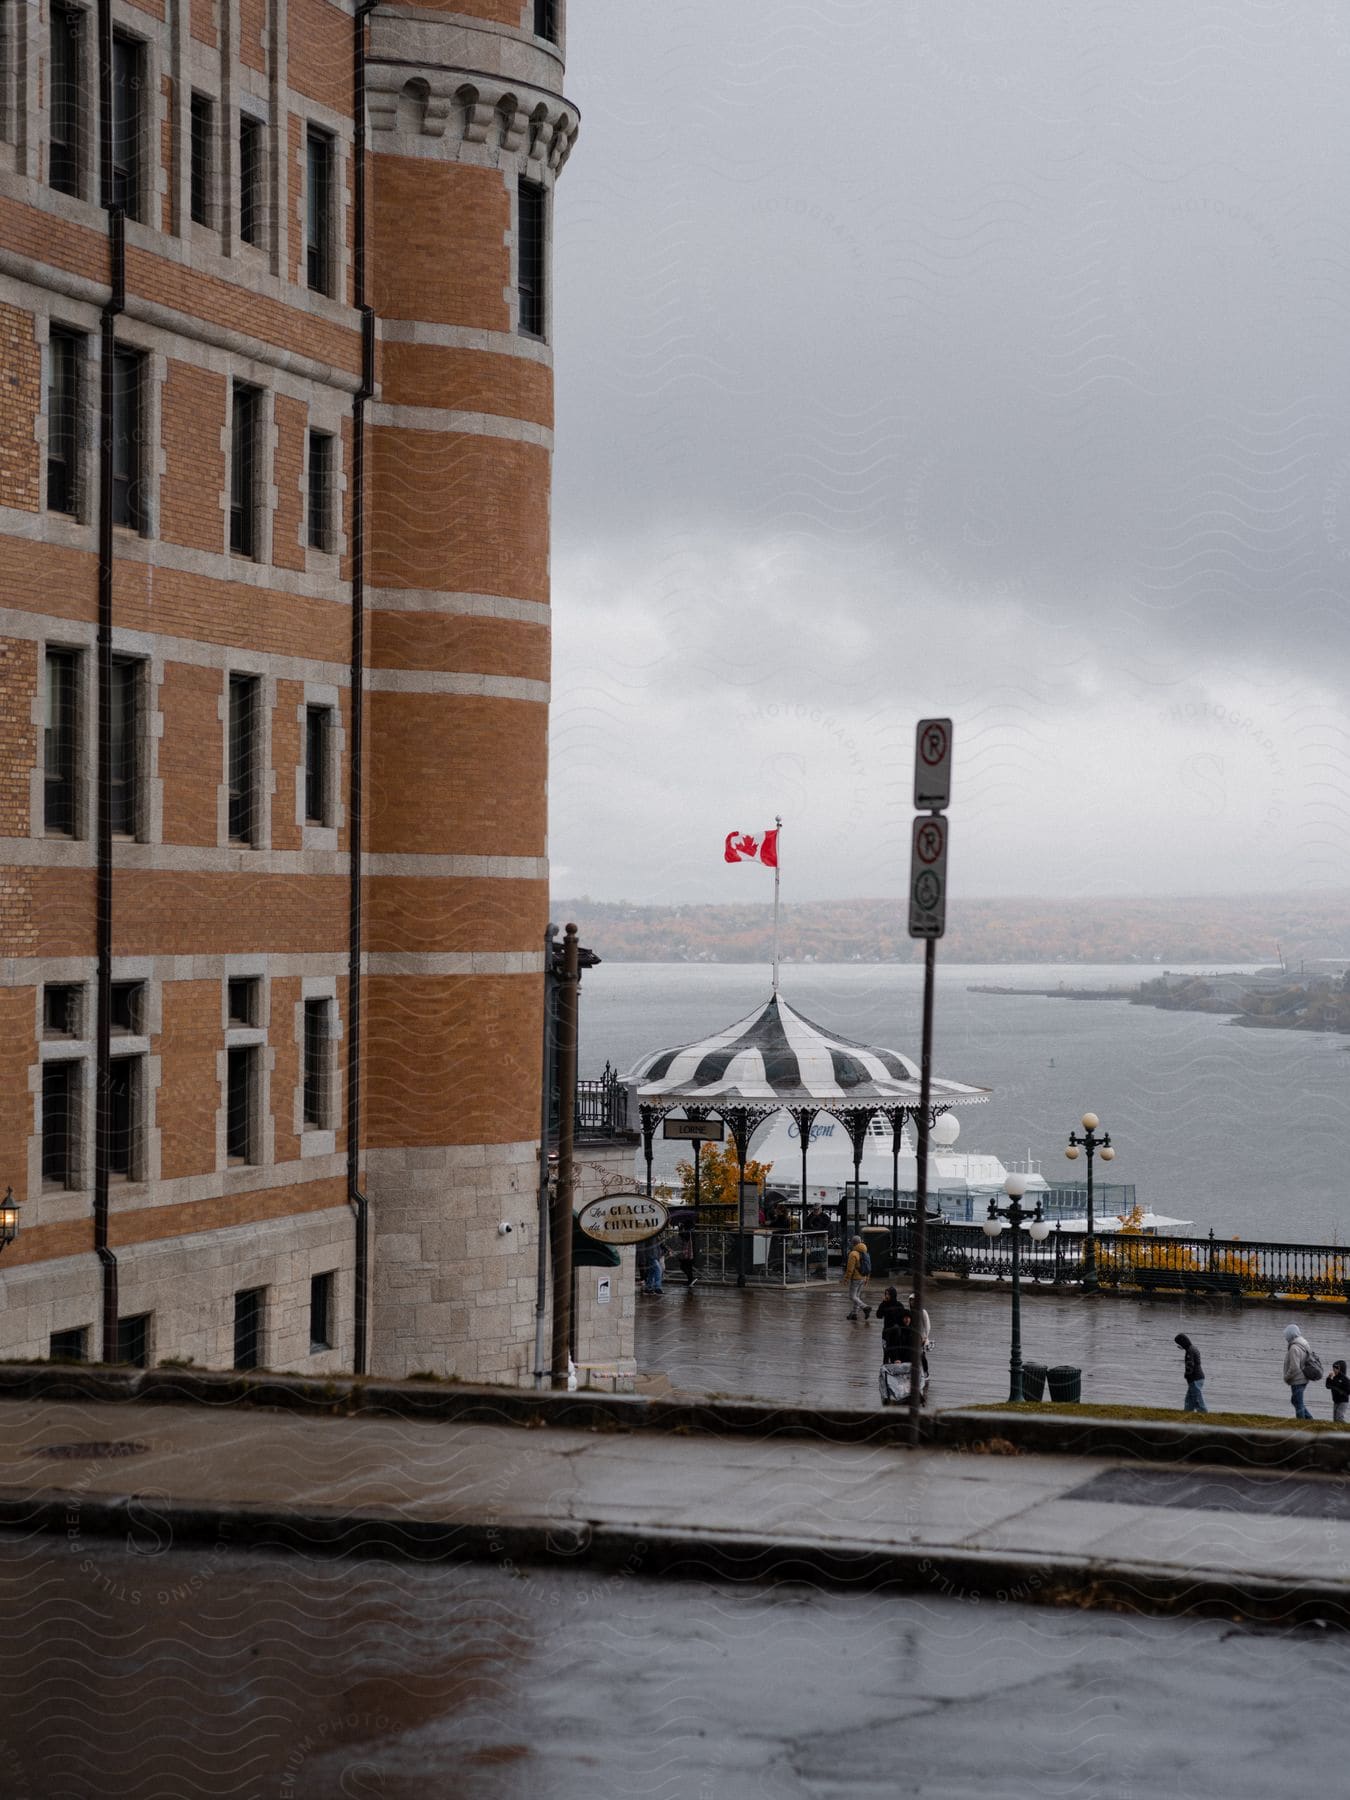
pixel 275 447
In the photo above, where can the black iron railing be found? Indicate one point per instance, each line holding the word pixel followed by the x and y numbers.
pixel 602 1106
pixel 1258 1268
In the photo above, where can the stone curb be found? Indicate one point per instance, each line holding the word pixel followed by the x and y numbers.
pixel 625 1552
pixel 1153 1440
pixel 1050 1434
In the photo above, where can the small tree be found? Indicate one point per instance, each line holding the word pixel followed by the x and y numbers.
pixel 719 1172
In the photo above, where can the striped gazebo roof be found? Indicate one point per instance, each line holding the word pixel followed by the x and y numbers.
pixel 776 1058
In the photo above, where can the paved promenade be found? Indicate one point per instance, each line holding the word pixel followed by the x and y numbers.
pixel 796 1345
pixel 1009 1526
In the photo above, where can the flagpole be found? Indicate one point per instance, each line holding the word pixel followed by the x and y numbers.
pixel 777 863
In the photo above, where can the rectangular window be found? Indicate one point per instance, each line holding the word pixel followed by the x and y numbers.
pixel 124 1095
pixel 546 20
pixel 126 1014
pixel 64 381
pixel 133 1340
pixel 61 744
pixel 242 994
pixel 318 784
pixel 65 152
pixel 242 758
pixel 320 516
pixel 62 1009
pixel 8 72
pixel 245 443
pixel 530 258
pixel 240 1087
pixel 320 160
pixel 202 163
pixel 127 448
pixel 60 1124
pixel 321 1311
pixel 124 764
pixel 317 1033
pixel 249 1306
pixel 252 201
pixel 71 1345
pixel 128 89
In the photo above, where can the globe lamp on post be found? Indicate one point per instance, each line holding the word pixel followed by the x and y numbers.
pixel 1038 1229
pixel 1094 1145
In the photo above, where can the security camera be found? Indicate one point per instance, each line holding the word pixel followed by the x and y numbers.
pixel 505 1228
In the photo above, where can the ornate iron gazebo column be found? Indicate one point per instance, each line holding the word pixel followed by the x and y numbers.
pixel 649 1116
pixel 697 1112
pixel 856 1121
pixel 803 1117
pixel 895 1117
pixel 743 1122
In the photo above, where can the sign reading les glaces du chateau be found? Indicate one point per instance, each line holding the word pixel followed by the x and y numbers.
pixel 622 1218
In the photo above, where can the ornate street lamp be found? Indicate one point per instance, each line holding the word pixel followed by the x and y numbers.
pixel 1038 1228
pixel 1095 1146
pixel 9 1219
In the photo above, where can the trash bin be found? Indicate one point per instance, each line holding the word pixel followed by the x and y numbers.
pixel 878 1241
pixel 1066 1382
pixel 1033 1381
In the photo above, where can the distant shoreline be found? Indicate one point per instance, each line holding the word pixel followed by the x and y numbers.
pixel 1276 1002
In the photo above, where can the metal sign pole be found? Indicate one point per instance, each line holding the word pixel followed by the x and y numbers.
pixel 919 1257
pixel 928 920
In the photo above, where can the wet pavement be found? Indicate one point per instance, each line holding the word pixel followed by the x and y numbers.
pixel 167 1673
pixel 795 1344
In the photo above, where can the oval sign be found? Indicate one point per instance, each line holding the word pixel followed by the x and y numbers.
pixel 623 1218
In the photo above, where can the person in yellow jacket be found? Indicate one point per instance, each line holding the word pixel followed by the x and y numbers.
pixel 856 1270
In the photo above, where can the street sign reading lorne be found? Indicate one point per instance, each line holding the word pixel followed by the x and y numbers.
pixel 928 878
pixel 694 1131
pixel 933 765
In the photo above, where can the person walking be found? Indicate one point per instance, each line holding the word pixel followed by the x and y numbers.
pixel 1339 1383
pixel 1297 1352
pixel 856 1270
pixel 655 1268
pixel 684 1254
pixel 1194 1373
pixel 923 1330
pixel 889 1312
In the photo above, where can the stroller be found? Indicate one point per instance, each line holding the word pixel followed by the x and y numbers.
pixel 893 1381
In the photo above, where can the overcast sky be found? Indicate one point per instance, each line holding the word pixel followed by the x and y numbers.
pixel 986 357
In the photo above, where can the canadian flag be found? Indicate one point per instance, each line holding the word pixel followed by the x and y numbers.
pixel 742 848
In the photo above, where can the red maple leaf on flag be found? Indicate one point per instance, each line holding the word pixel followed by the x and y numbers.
pixel 741 847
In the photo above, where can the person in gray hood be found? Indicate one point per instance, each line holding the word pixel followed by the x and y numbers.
pixel 1296 1354
pixel 1195 1375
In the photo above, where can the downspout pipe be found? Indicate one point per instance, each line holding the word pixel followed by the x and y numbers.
pixel 356 761
pixel 103 900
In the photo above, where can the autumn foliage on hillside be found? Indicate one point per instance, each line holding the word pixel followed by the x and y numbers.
pixel 1236 929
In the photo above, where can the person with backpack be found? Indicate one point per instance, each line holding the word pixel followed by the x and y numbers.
pixel 1194 1373
pixel 1302 1364
pixel 1339 1383
pixel 856 1270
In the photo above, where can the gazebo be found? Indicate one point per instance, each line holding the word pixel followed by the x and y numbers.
pixel 775 1060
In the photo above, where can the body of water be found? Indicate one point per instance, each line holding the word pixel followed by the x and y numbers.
pixel 1245 1131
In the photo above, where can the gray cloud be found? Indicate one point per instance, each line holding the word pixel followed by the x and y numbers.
pixel 988 358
